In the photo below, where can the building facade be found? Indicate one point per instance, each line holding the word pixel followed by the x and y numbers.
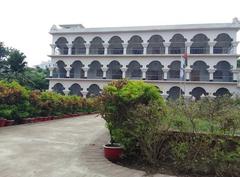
pixel 86 59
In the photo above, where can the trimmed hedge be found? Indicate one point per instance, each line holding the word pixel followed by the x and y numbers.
pixel 17 102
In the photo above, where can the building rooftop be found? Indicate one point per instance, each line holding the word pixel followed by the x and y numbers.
pixel 79 28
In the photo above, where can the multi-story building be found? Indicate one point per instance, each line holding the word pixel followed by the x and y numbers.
pixel 86 59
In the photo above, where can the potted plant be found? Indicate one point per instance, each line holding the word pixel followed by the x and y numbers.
pixel 2 122
pixel 112 151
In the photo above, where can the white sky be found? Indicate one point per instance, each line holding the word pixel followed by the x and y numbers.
pixel 25 23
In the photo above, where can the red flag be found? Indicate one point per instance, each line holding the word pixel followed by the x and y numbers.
pixel 185 56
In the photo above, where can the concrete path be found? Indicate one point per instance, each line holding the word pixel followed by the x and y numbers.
pixel 59 148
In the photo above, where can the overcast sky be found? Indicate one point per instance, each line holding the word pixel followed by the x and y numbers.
pixel 25 23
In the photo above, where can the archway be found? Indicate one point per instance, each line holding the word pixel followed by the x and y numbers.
pixel 60 70
pixel 222 92
pixel 75 89
pixel 134 70
pixel 154 71
pixel 174 93
pixel 96 46
pixel 78 47
pixel 199 71
pixel 177 45
pixel 61 45
pixel 200 44
pixel 174 70
pixel 115 45
pixel 155 45
pixel 58 88
pixel 93 91
pixel 135 45
pixel 114 70
pixel 77 71
pixel 223 44
pixel 223 72
pixel 198 92
pixel 95 70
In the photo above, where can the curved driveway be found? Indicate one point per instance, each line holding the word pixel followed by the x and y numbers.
pixel 59 148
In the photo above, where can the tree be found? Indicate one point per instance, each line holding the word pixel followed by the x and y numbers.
pixel 15 61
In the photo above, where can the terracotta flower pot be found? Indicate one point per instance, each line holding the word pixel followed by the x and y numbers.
pixel 113 152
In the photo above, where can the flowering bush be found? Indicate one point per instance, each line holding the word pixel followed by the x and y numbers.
pixel 16 102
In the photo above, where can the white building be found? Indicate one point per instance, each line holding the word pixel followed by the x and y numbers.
pixel 86 59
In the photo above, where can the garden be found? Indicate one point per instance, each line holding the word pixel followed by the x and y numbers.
pixel 186 137
pixel 21 105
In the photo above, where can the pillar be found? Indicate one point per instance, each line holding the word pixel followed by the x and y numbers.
pixel 84 93
pixel 125 49
pixel 85 69
pixel 124 72
pixel 87 48
pixel 145 48
pixel 211 71
pixel 234 47
pixel 51 68
pixel 165 73
pixel 188 47
pixel 187 72
pixel 166 45
pixel 236 73
pixel 68 71
pixel 69 49
pixel 53 46
pixel 104 69
pixel 105 48
pixel 66 92
pixel 144 70
pixel 211 45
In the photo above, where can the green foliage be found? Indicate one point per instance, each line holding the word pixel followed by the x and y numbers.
pixel 17 102
pixel 193 137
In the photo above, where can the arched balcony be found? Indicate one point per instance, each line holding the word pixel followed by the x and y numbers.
pixel 93 91
pixel 200 44
pixel 78 47
pixel 154 71
pixel 135 45
pixel 60 71
pixel 114 70
pixel 199 71
pixel 198 92
pixel 75 89
pixel 177 45
pixel 223 72
pixel 58 88
pixel 61 45
pixel 96 46
pixel 134 71
pixel 174 93
pixel 95 70
pixel 155 45
pixel 115 45
pixel 77 71
pixel 223 44
pixel 174 70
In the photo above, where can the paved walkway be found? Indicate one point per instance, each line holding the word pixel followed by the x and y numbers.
pixel 59 148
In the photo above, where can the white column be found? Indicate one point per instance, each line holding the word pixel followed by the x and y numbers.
pixel 51 71
pixel 69 49
pixel 188 46
pixel 68 71
pixel 105 48
pixel 66 92
pixel 124 72
pixel 166 45
pixel 53 46
pixel 85 69
pixel 234 47
pixel 211 45
pixel 87 45
pixel 144 70
pixel 145 48
pixel 165 73
pixel 187 72
pixel 84 93
pixel 104 69
pixel 125 49
pixel 236 73
pixel 211 71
